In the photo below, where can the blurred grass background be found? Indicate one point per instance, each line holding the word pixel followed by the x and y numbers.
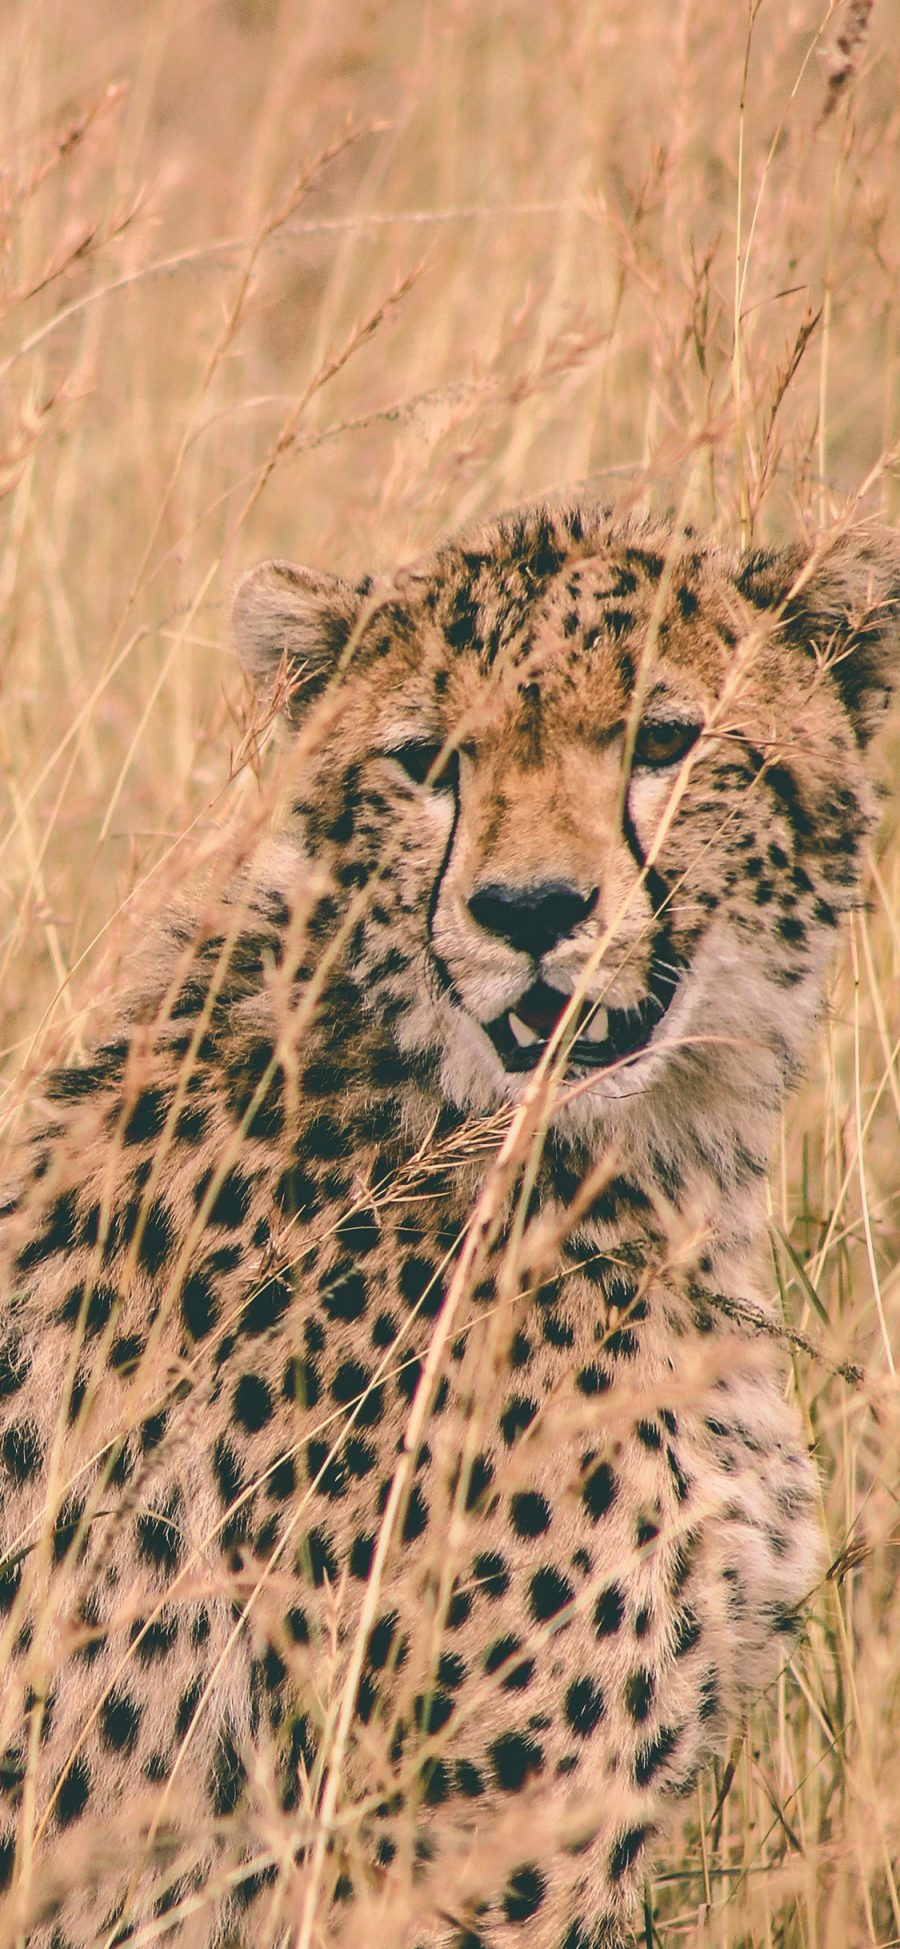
pixel 325 281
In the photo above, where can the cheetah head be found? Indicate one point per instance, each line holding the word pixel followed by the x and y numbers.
pixel 594 793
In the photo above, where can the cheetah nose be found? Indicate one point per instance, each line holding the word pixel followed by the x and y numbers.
pixel 531 918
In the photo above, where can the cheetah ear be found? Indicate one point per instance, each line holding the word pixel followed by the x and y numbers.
pixel 839 603
pixel 295 620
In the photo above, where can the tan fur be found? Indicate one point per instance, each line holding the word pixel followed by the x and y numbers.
pixel 401 1499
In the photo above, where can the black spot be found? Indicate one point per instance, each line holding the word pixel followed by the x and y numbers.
pixel 709 1697
pixel 384 1330
pixel 790 929
pixel 783 787
pixel 320 1557
pixel 343 1292
pixel 326 1471
pixel 420 1286
pixel 415 1518
pixel 358 1233
pixel 158 1538
pixel 301 1382
pixel 517 1672
pixel 73 1793
pixel 461 630
pixel 607 1206
pixel 549 1592
pixel 682 1487
pixel 361 1554
pixel 516 1417
pixel 15 1366
pixel 408 1378
pixel 157 1768
pixel 360 1457
pixel 654 1755
pixel 152 1429
pixel 226 1778
pixel 156 1639
pixel 515 1760
pixel 187 1706
pixel 146 1117
pixel 524 1893
pixel 227 1472
pixel 459 1609
pixel 648 1433
pixel 352 1383
pixel 251 1403
pixel 68 1526
pixel 324 1139
pixel 639 1689
pixel 10 1579
pixel 626 1851
pixel 95 1638
pixel 529 1513
pixel 282 1479
pixel 156 1234
pixel 382 1643
pixel 622 1344
pixel 267 1306
pixel 21 1451
pixel 125 1353
pixel 191 1124
pixel 231 1203
pixel 599 1491
pixel 58 1234
pixel 469 1781
pixel 481 1475
pixel 120 1721
pixel 79 1389
pixel 490 1572
pixel 224 1258
pixel 646 1532
pixel 585 1706
pixel 258 1098
pixel 90 1304
pixel 617 623
pixel 296 1192
pixel 592 1380
pixel 451 1671
pixel 199 1306
pixel 609 1611
pixel 431 1710
pixel 687 601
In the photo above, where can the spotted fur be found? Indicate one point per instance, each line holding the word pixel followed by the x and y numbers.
pixel 400 1495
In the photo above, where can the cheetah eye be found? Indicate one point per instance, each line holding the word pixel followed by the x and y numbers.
pixel 658 745
pixel 427 764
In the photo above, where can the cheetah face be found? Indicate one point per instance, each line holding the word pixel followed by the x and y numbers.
pixel 554 934
pixel 596 793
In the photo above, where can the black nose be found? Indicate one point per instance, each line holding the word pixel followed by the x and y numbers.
pixel 532 918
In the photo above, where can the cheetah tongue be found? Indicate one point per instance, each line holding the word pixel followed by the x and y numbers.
pixel 540 1009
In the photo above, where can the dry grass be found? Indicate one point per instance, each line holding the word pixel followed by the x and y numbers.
pixel 324 282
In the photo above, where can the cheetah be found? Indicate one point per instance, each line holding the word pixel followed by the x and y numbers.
pixel 401 1499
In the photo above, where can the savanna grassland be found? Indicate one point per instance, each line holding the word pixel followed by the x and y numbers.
pixel 324 282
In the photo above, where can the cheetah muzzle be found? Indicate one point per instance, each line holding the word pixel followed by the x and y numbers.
pixel 401 1497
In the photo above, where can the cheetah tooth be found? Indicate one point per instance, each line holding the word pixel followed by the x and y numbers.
pixel 597 1029
pixel 523 1034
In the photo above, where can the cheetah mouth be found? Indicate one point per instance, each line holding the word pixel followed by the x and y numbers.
pixel 595 1037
